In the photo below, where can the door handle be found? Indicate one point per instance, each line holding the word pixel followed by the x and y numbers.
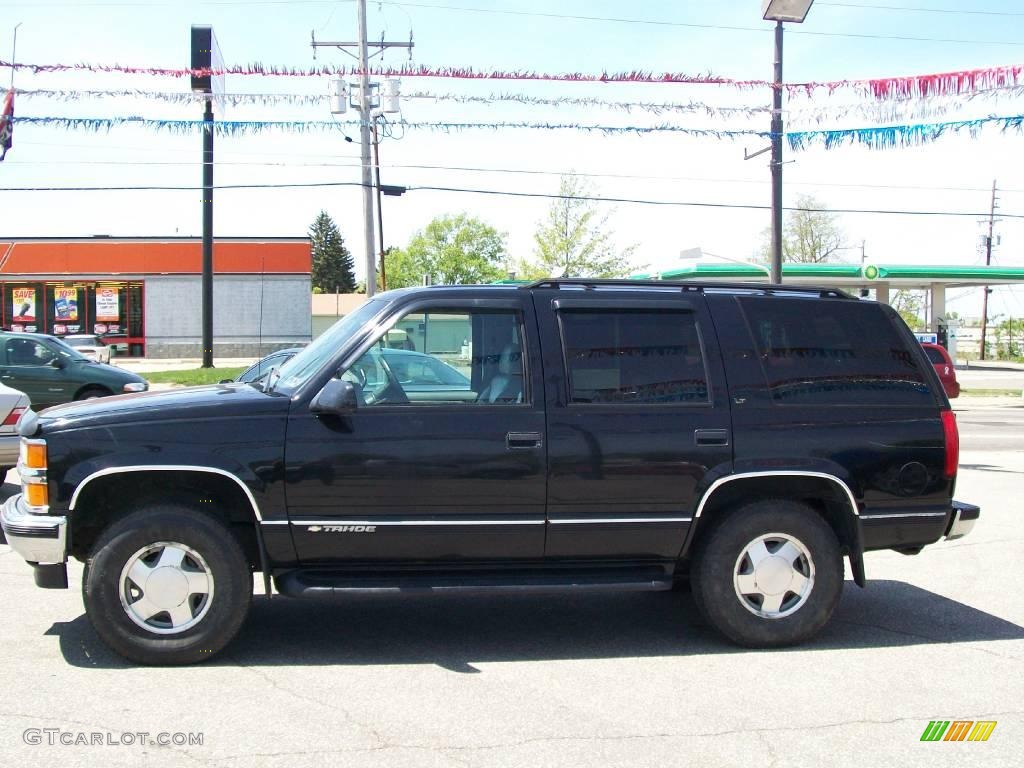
pixel 711 436
pixel 522 440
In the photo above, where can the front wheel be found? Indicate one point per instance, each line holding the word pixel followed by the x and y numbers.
pixel 91 393
pixel 769 575
pixel 167 585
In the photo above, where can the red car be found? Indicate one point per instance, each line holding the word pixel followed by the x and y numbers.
pixel 939 358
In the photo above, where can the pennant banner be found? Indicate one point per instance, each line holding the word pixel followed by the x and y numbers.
pixel 884 137
pixel 917 86
pixel 888 137
pixel 243 127
pixel 899 111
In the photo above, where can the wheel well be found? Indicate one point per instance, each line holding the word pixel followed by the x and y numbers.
pixel 107 499
pixel 97 387
pixel 823 495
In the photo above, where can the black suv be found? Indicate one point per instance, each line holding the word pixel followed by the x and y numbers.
pixel 586 435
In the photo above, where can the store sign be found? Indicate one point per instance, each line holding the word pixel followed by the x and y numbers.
pixel 65 303
pixel 24 304
pixel 107 305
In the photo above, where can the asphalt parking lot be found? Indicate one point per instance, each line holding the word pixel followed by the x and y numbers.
pixel 624 680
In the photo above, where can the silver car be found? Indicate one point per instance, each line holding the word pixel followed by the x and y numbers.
pixel 89 346
pixel 13 403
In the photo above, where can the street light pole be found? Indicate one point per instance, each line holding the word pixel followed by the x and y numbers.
pixel 777 159
pixel 779 11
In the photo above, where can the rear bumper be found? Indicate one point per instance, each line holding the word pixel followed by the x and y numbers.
pixel 963 520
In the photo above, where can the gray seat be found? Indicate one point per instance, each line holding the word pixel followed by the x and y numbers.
pixel 507 384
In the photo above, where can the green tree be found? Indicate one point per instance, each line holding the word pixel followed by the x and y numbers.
pixel 810 235
pixel 574 239
pixel 453 249
pixel 401 271
pixel 332 261
pixel 910 306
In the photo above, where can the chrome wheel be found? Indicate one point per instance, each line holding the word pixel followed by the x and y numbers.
pixel 774 575
pixel 166 588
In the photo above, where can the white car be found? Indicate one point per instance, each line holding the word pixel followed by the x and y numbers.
pixel 13 403
pixel 89 346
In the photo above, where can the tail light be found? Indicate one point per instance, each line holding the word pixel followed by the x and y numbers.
pixel 952 436
pixel 14 415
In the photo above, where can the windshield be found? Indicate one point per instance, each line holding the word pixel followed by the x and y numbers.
pixel 306 363
pixel 62 349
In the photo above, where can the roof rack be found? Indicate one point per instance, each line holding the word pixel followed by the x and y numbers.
pixel 687 285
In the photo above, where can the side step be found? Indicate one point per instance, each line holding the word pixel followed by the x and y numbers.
pixel 326 583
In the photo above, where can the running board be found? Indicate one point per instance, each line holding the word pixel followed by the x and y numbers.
pixel 326 583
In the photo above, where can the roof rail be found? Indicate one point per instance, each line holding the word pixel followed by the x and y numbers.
pixel 687 285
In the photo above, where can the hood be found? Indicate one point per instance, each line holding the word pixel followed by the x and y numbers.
pixel 185 404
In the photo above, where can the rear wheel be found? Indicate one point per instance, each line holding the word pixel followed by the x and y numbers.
pixel 167 585
pixel 770 574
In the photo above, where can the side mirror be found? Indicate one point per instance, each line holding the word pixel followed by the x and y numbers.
pixel 57 363
pixel 337 398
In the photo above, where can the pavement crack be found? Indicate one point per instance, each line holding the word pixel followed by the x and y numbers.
pixel 309 699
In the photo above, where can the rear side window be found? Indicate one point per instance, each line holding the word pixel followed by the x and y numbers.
pixel 633 356
pixel 835 352
pixel 934 356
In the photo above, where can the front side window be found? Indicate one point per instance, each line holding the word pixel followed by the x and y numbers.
pixel 634 356
pixel 444 357
pixel 28 352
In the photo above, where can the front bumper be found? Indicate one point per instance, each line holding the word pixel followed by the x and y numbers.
pixel 40 539
pixel 963 520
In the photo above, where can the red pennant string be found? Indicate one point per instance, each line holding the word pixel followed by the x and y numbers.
pixel 923 86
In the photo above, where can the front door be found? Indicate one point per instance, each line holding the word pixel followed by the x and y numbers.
pixel 638 418
pixel 443 459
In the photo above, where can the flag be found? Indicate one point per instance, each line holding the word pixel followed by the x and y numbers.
pixel 7 124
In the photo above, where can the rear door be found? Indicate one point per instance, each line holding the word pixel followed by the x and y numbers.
pixel 637 419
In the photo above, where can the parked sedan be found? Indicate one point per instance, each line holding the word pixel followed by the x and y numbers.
pixel 50 372
pixel 89 346
pixel 12 404
pixel 943 364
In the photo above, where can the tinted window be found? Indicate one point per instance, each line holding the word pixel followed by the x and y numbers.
pixel 633 357
pixel 934 356
pixel 835 352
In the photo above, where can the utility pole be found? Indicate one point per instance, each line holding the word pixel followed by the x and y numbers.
pixel 365 107
pixel 988 262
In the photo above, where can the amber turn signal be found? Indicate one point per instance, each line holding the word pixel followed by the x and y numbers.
pixel 36 495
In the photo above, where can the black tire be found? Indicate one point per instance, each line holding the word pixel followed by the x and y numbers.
pixel 224 562
pixel 717 559
pixel 91 392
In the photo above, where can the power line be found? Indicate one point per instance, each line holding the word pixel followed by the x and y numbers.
pixel 692 25
pixel 506 193
pixel 492 169
pixel 920 9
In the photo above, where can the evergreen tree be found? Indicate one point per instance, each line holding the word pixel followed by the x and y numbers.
pixel 332 261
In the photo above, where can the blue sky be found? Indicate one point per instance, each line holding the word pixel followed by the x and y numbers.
pixel 728 38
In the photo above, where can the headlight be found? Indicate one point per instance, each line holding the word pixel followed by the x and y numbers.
pixel 136 386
